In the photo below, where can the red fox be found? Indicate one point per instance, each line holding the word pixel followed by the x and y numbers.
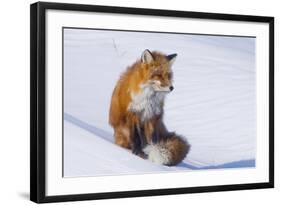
pixel 136 110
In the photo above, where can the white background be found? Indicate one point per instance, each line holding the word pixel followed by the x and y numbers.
pixel 14 104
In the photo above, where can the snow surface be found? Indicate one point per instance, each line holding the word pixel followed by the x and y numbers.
pixel 213 104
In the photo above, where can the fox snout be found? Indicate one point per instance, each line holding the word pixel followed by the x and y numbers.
pixel 158 87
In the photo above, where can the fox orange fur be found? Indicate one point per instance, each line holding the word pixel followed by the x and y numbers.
pixel 137 108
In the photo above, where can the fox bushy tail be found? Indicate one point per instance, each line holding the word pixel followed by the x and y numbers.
pixel 168 151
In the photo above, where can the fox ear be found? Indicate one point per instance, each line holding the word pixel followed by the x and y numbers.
pixel 171 58
pixel 146 57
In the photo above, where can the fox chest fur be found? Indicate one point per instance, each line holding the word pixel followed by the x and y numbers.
pixel 147 103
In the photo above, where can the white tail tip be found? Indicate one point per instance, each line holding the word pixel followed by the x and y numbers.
pixel 157 154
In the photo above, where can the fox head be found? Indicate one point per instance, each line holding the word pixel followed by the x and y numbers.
pixel 157 70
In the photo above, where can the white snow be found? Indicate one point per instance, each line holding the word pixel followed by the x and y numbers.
pixel 95 156
pixel 213 104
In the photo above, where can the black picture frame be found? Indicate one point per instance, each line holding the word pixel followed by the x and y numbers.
pixel 38 100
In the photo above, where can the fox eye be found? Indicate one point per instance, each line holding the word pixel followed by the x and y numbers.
pixel 155 76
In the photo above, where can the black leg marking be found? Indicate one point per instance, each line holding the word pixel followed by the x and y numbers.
pixel 142 137
pixel 136 144
pixel 155 136
pixel 139 142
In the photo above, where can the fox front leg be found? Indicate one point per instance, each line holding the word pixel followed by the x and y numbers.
pixel 136 144
pixel 155 136
pixel 139 141
pixel 142 137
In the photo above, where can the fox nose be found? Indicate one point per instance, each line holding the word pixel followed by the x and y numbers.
pixel 171 88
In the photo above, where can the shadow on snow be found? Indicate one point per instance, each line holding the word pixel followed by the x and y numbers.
pixel 108 136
